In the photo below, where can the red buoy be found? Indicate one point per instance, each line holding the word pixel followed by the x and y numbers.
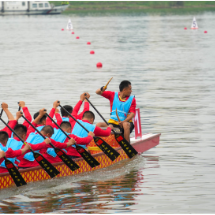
pixel 77 37
pixel 72 32
pixel 92 52
pixel 99 64
pixel 185 28
pixel 205 32
pixel 88 43
pixel 62 29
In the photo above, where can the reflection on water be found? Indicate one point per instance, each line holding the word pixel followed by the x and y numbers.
pixel 114 188
pixel 172 76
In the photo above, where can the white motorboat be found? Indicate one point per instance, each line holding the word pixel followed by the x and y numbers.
pixel 30 8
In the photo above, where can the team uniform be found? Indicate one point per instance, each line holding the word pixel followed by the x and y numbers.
pixel 124 107
pixel 40 146
pixel 14 154
pixel 12 124
pixel 74 112
pixel 81 132
pixel 59 136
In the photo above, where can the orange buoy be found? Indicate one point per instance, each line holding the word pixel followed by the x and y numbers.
pixel 99 64
pixel 73 32
pixel 88 43
pixel 205 32
pixel 77 37
pixel 185 28
pixel 92 52
pixel 62 29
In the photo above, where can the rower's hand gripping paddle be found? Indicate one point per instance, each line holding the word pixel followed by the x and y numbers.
pixel 64 157
pixel 13 171
pixel 86 155
pixel 126 146
pixel 46 165
pixel 105 87
pixel 106 148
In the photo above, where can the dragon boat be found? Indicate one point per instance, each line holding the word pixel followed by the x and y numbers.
pixel 146 142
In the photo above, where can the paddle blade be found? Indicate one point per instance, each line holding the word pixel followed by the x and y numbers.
pixel 87 156
pixel 66 159
pixel 126 146
pixel 106 148
pixel 46 165
pixel 14 173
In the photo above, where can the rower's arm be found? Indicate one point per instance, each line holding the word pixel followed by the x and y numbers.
pixel 99 91
pixel 42 112
pixel 8 113
pixel 130 116
pixel 2 154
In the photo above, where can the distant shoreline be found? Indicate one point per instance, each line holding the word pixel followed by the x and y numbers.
pixel 143 6
pixel 74 9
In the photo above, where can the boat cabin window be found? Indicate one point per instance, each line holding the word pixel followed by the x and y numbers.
pixel 40 4
pixel 23 3
pixel 46 5
pixel 34 5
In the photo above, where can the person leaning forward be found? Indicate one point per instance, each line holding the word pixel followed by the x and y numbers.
pixel 125 103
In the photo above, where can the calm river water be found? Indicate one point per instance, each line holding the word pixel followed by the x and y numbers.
pixel 172 75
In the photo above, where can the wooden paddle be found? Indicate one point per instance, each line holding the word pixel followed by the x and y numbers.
pixel 86 155
pixel 1 112
pixel 106 148
pixel 126 146
pixel 46 165
pixel 64 157
pixel 105 87
pixel 13 171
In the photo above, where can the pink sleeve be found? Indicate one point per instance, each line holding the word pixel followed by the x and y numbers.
pixel 58 144
pixel 81 141
pixel 86 108
pixel 100 132
pixel 38 146
pixel 133 106
pixel 77 108
pixel 108 95
pixel 59 119
pixel 30 129
pixel 27 116
pixel 51 114
pixel 10 153
pixel 12 124
pixel 49 121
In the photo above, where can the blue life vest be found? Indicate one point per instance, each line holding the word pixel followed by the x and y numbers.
pixel 65 119
pixel 80 132
pixel 3 148
pixel 33 139
pixel 39 128
pixel 13 144
pixel 122 107
pixel 58 136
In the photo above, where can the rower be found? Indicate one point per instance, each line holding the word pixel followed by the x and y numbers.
pixel 11 120
pixel 59 136
pixel 74 112
pixel 87 121
pixel 14 147
pixel 125 103
pixel 39 143
pixel 25 112
pixel 7 152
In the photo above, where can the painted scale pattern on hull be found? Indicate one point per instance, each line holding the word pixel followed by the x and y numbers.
pixel 38 174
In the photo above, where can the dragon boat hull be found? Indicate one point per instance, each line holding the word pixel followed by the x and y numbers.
pixel 147 142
